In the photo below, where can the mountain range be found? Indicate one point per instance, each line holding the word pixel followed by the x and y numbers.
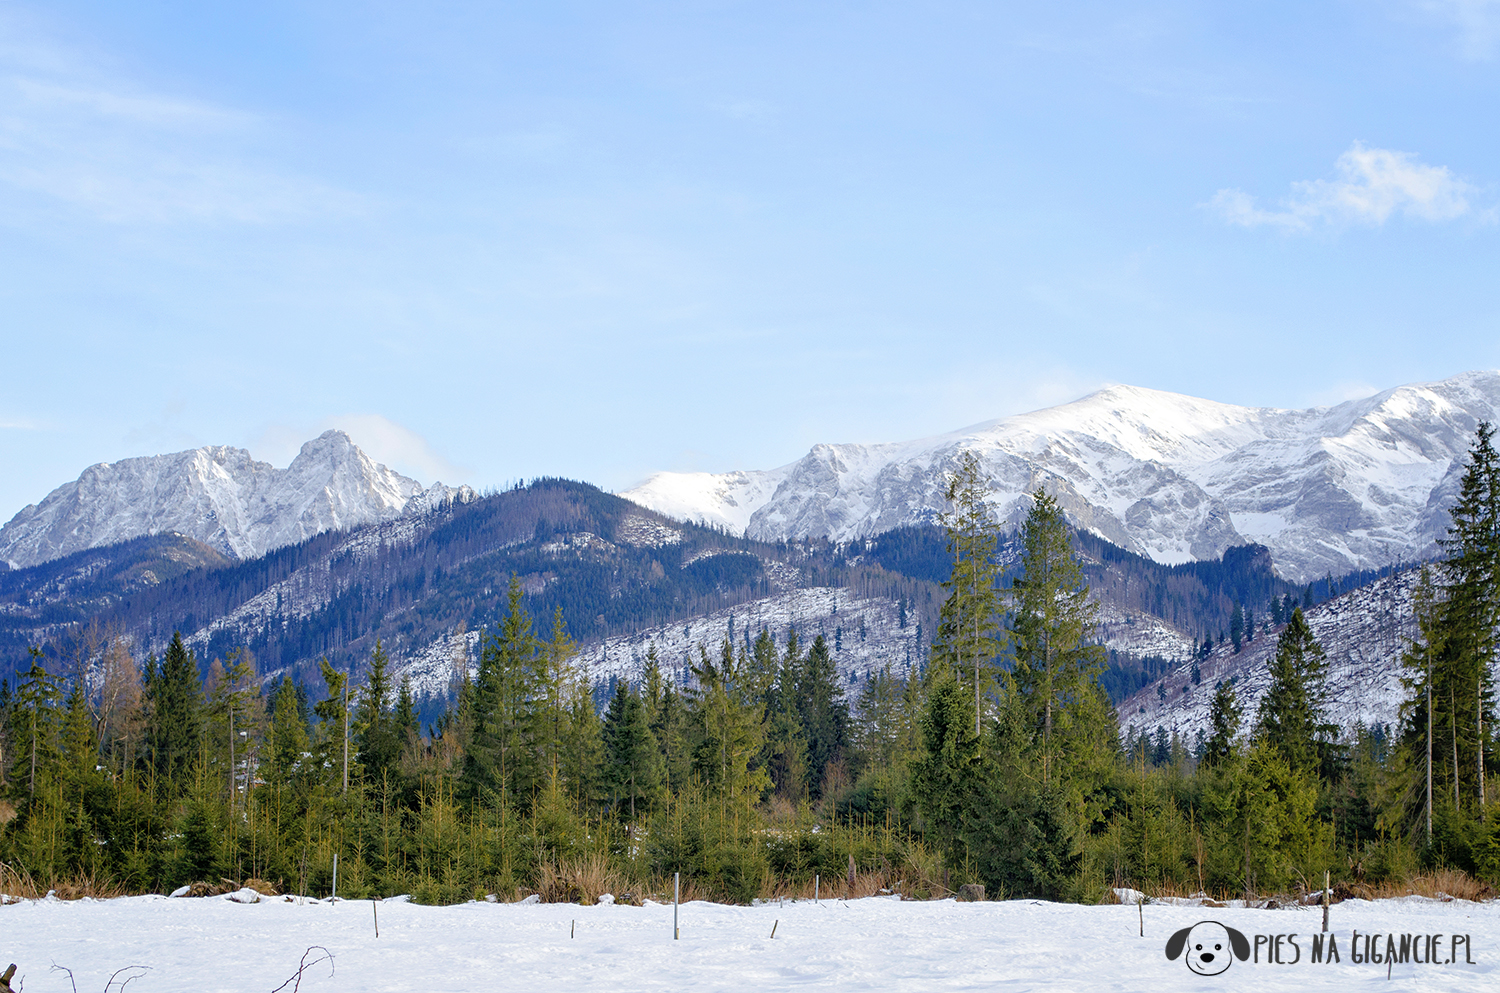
pixel 324 557
pixel 220 496
pixel 1329 490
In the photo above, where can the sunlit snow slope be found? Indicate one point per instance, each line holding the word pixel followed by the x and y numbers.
pixel 1328 489
pixel 220 496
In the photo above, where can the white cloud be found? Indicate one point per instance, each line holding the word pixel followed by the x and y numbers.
pixel 1478 23
pixel 1341 392
pixel 105 147
pixel 397 446
pixel 148 110
pixel 1372 185
pixel 379 437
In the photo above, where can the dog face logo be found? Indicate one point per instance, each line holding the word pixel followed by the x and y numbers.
pixel 1211 947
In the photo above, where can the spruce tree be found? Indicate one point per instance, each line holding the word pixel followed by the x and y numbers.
pixel 334 718
pixel 581 754
pixel 824 712
pixel 969 628
pixel 376 734
pixel 555 678
pixel 630 754
pixel 1292 718
pixel 725 728
pixel 1057 663
pixel 405 714
pixel 174 701
pixel 1470 608
pixel 1224 723
pixel 34 722
pixel 500 756
pixel 288 732
pixel 786 738
pixel 1448 717
pixel 947 778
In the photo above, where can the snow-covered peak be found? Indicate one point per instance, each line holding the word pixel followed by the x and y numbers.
pixel 220 496
pixel 1356 485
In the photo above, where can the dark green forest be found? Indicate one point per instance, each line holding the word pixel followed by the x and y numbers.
pixel 999 762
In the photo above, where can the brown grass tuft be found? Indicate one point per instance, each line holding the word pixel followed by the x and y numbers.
pixel 88 887
pixel 1444 883
pixel 1453 883
pixel 580 880
pixel 17 882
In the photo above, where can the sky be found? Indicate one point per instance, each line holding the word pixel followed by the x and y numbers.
pixel 495 241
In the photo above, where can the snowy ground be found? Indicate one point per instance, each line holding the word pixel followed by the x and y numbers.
pixel 875 944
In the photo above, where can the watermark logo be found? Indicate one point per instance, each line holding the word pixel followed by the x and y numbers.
pixel 1211 947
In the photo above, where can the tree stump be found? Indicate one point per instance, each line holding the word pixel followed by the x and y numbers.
pixel 5 979
pixel 971 893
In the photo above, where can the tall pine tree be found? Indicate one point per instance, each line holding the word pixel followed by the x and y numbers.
pixel 970 629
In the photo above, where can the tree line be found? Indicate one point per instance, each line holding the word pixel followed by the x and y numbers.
pixel 998 760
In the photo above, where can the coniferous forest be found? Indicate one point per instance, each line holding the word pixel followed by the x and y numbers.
pixel 999 761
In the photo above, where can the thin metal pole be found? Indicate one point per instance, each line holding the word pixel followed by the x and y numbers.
pixel 1326 883
pixel 676 897
pixel 346 731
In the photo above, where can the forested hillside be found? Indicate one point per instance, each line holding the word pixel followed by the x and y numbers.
pixel 998 761
pixel 610 566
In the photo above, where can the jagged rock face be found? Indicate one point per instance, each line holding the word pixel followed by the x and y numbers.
pixel 220 496
pixel 1329 489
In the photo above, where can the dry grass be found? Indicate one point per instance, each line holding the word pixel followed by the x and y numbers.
pixel 923 877
pixel 836 888
pixel 1442 884
pixel 580 881
pixel 17 882
pixel 689 891
pixel 88 887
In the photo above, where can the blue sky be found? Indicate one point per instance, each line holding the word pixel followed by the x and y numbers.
pixel 496 241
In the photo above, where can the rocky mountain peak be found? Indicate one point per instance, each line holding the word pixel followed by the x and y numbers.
pixel 1361 484
pixel 221 496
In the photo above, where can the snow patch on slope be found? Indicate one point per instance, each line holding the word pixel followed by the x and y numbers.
pixel 1177 478
pixel 1363 632
pixel 222 497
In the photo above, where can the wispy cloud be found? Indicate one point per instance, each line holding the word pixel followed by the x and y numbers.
pixel 397 445
pixel 1478 23
pixel 1336 393
pixel 1372 184
pixel 110 149
pixel 381 438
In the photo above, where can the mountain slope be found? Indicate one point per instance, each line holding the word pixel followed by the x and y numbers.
pixel 1328 490
pixel 219 496
pixel 1364 633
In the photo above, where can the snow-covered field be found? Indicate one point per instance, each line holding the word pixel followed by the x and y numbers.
pixel 873 944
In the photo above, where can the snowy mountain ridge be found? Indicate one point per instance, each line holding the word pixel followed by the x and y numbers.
pixel 1329 489
pixel 222 497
